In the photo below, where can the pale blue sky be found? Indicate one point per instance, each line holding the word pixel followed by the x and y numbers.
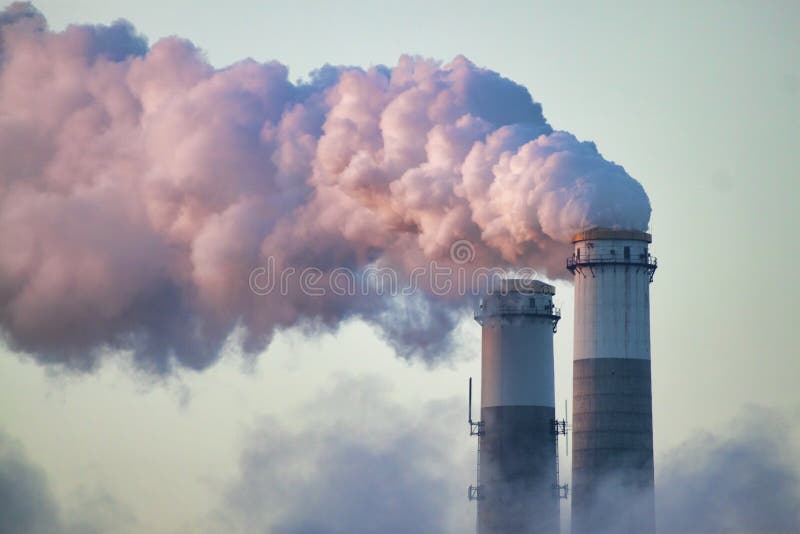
pixel 698 101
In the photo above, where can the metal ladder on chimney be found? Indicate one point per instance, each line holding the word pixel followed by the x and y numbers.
pixel 561 428
pixel 475 429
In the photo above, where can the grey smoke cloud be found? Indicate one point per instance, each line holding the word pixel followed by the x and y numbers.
pixel 747 481
pixel 342 465
pixel 743 480
pixel 354 460
pixel 27 504
pixel 140 186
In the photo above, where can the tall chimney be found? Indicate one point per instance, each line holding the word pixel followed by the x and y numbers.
pixel 612 421
pixel 517 475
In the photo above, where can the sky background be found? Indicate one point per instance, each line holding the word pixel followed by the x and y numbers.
pixel 698 101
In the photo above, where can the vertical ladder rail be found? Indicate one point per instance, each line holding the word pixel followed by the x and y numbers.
pixel 475 429
pixel 561 428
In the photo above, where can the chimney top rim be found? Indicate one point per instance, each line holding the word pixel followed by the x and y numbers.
pixel 612 233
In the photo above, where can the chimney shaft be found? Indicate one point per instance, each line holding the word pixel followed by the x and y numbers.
pixel 612 421
pixel 517 462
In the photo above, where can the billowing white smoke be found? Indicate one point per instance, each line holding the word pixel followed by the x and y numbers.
pixel 140 187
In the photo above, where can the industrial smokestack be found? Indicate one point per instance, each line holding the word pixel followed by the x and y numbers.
pixel 612 402
pixel 517 477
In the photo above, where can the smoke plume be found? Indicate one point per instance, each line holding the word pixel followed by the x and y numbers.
pixel 140 187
